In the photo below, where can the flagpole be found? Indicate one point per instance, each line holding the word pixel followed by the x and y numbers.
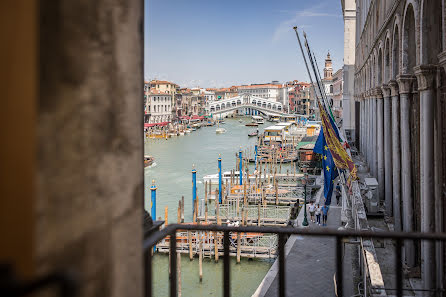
pixel 305 60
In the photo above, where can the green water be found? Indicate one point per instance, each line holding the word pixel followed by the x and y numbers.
pixel 172 174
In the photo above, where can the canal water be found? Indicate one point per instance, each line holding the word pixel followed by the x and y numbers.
pixel 175 158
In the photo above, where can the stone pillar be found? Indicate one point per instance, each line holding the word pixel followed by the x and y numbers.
pixel 369 129
pixel 374 135
pixel 396 161
pixel 361 134
pixel 90 174
pixel 387 126
pixel 380 141
pixel 405 88
pixel 426 75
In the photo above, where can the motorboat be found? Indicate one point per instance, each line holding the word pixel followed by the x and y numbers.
pixel 220 130
pixel 148 161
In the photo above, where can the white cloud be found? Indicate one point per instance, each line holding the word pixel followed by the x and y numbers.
pixel 286 26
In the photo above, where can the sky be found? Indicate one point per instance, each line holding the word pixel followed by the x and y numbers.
pixel 213 43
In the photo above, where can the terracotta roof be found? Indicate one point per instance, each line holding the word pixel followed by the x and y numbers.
pixel 162 82
pixel 261 86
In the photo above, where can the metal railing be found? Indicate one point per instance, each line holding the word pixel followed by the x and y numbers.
pixel 282 233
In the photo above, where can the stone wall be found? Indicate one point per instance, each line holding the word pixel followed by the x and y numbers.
pixel 89 204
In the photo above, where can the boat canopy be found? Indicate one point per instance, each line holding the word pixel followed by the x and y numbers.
pixel 257 118
pixel 274 128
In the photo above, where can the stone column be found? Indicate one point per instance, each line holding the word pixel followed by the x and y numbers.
pixel 380 141
pixel 426 75
pixel 387 127
pixel 405 88
pixel 396 161
pixel 362 122
pixel 369 126
pixel 374 135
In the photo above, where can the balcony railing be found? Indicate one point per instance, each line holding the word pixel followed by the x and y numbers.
pixel 282 233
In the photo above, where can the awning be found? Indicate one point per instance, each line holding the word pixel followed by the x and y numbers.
pixel 146 125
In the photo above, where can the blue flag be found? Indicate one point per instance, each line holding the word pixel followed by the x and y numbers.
pixel 328 165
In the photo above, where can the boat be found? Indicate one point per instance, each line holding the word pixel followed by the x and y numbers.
pixel 220 130
pixel 258 119
pixel 255 133
pixel 252 124
pixel 240 121
pixel 148 161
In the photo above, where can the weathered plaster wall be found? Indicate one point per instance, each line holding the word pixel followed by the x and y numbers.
pixel 90 173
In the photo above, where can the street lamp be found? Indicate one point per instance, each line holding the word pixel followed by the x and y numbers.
pixel 304 181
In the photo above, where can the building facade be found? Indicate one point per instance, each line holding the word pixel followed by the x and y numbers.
pixel 399 92
pixel 266 91
pixel 338 85
pixel 164 86
pixel 159 107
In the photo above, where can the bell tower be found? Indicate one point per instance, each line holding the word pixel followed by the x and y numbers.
pixel 328 70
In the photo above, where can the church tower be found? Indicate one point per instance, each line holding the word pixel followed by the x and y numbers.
pixel 328 70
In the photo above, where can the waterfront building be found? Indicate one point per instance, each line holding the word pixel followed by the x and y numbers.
pixel 225 93
pixel 398 117
pixel 299 98
pixel 159 107
pixel 209 95
pixel 266 91
pixel 338 84
pixel 164 86
pixel 146 102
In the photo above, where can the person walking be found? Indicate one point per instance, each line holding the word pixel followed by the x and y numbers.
pixel 324 211
pixel 318 214
pixel 311 209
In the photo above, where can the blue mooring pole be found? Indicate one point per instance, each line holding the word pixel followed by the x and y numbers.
pixel 219 179
pixel 255 157
pixel 240 166
pixel 194 189
pixel 153 206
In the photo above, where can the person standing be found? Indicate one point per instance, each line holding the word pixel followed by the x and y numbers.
pixel 311 209
pixel 318 214
pixel 324 211
pixel 338 194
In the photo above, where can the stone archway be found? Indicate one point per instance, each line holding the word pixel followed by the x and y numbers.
pixel 386 62
pixel 379 70
pixel 431 32
pixel 409 43
pixel 396 48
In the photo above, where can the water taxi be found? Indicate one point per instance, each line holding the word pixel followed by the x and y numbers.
pixel 220 130
pixel 258 119
pixel 148 161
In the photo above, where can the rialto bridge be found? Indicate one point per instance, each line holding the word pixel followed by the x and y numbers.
pixel 251 105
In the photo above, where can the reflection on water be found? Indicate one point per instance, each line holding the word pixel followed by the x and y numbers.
pixel 245 277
